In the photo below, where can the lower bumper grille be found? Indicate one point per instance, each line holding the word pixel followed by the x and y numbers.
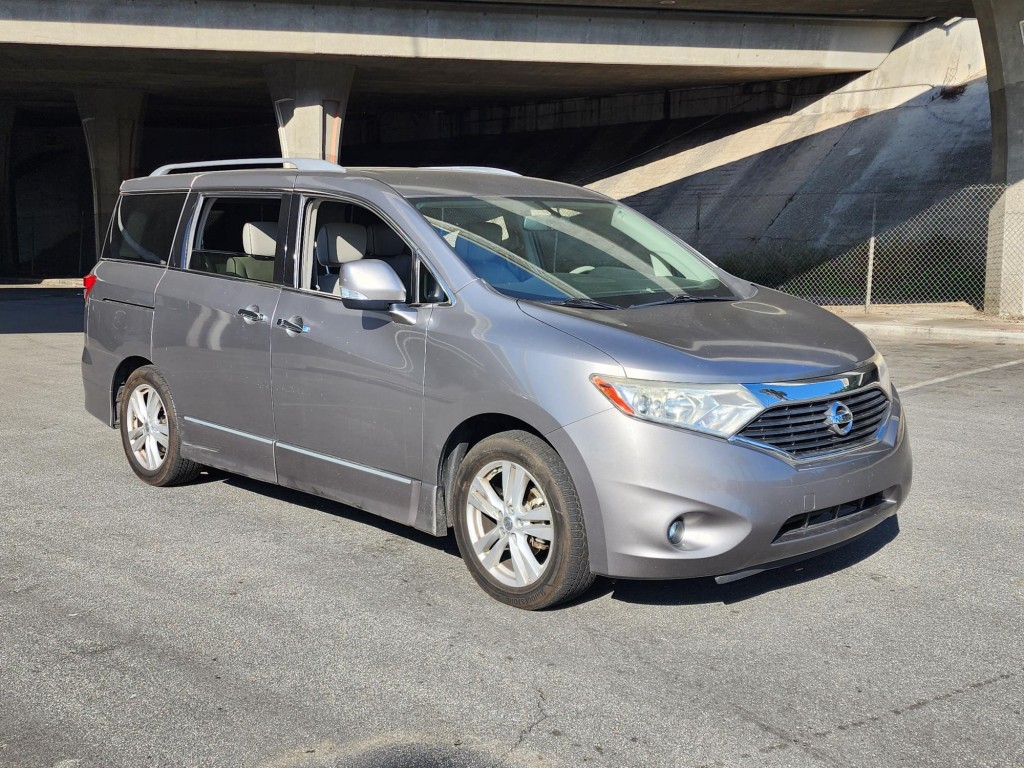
pixel 811 523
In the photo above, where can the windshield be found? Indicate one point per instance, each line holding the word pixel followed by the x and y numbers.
pixel 590 253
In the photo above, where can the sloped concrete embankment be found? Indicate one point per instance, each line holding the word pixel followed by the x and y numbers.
pixel 789 190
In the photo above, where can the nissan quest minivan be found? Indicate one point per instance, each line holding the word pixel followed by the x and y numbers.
pixel 570 387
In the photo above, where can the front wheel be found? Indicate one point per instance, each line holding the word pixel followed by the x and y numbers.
pixel 518 522
pixel 149 430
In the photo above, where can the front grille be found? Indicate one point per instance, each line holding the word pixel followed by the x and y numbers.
pixel 810 523
pixel 802 431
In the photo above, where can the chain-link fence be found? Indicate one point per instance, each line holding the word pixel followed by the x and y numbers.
pixel 835 248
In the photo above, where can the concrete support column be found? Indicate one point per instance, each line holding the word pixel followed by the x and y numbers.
pixel 112 120
pixel 8 240
pixel 1002 33
pixel 310 98
pixel 1004 267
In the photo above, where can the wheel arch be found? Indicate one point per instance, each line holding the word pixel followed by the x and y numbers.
pixel 461 439
pixel 472 429
pixel 121 373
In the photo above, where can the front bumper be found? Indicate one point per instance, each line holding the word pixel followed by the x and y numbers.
pixel 743 508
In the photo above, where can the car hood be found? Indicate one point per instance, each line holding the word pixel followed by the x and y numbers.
pixel 769 337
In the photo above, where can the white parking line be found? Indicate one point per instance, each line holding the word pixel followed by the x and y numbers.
pixel 960 375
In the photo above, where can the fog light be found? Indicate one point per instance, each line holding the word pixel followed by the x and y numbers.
pixel 675 532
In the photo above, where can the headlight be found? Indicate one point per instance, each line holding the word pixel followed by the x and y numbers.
pixel 883 373
pixel 718 409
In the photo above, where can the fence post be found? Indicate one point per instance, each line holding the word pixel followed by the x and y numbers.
pixel 696 226
pixel 871 257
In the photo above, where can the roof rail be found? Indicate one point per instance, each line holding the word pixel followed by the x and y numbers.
pixel 472 169
pixel 298 163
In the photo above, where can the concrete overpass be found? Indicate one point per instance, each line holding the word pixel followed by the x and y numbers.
pixel 320 61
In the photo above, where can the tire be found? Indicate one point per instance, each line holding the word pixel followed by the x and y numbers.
pixel 149 430
pixel 544 567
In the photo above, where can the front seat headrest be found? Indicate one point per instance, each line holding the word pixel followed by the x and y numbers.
pixel 340 243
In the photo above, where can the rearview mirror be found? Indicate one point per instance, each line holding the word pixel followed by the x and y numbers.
pixel 370 284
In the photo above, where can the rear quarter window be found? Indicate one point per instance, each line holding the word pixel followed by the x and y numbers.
pixel 143 227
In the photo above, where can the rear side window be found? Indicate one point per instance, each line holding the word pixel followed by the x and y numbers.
pixel 143 228
pixel 237 237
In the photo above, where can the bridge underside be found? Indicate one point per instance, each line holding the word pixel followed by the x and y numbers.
pixel 306 66
pixel 445 55
pixel 917 10
pixel 44 73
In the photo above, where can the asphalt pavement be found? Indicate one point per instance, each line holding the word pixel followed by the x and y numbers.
pixel 233 623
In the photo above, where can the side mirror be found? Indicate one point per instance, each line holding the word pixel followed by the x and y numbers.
pixel 370 284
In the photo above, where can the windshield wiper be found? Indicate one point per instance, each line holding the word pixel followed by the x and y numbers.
pixel 683 298
pixel 584 303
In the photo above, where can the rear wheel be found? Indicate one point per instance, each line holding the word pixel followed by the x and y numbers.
pixel 519 524
pixel 149 430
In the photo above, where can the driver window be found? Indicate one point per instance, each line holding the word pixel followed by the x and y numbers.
pixel 337 232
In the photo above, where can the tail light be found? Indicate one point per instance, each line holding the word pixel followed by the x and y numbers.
pixel 88 282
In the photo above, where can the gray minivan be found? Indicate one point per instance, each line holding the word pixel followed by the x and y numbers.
pixel 570 387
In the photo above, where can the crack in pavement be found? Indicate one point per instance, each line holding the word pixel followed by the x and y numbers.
pixel 787 742
pixel 898 711
pixel 541 700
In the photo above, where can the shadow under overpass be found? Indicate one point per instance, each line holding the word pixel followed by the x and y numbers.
pixel 41 310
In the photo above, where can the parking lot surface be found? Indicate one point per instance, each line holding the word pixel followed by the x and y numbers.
pixel 233 623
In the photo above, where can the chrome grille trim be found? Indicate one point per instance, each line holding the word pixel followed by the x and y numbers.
pixel 799 429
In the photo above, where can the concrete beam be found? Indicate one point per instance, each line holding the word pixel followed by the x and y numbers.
pixel 112 120
pixel 919 10
pixel 427 31
pixel 310 98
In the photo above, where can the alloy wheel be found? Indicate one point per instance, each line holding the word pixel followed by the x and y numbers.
pixel 510 524
pixel 147 427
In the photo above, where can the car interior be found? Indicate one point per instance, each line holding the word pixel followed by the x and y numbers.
pixel 237 237
pixel 346 232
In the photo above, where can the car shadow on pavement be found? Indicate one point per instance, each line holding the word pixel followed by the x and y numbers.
pixel 701 591
pixel 652 592
pixel 335 508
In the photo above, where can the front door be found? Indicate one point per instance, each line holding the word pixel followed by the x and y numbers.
pixel 348 384
pixel 212 334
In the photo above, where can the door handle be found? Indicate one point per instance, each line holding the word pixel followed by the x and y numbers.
pixel 293 324
pixel 252 314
